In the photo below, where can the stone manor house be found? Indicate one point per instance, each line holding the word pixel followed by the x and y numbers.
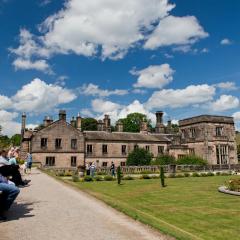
pixel 62 144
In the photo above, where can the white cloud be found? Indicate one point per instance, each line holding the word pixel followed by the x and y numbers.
pixel 176 30
pixel 225 102
pixel 236 117
pixel 156 76
pixel 101 106
pixel 94 90
pixel 167 55
pixel 8 123
pixel 229 86
pixel 225 41
pixel 175 98
pixel 139 91
pixel 183 48
pixel 205 50
pixel 5 102
pixel 38 96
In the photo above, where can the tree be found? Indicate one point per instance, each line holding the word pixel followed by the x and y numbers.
pixel 164 159
pixel 89 124
pixel 16 140
pixel 5 142
pixel 139 157
pixel 133 120
pixel 175 128
pixel 191 160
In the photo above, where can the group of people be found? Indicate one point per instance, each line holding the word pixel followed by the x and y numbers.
pixel 91 169
pixel 11 178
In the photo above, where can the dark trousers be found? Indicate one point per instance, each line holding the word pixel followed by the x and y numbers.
pixel 13 171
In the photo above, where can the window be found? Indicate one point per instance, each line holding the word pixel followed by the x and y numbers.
pixel 147 147
pixel 192 132
pixel 104 149
pixel 122 164
pixel 219 131
pixel 74 161
pixel 74 143
pixel 222 154
pixel 89 149
pixel 191 151
pixel 124 149
pixel 160 149
pixel 104 164
pixel 50 161
pixel 58 142
pixel 43 142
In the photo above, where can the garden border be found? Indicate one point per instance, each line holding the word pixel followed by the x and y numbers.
pixel 224 189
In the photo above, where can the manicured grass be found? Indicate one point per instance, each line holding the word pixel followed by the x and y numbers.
pixel 188 208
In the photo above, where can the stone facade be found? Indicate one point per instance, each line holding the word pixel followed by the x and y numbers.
pixel 63 144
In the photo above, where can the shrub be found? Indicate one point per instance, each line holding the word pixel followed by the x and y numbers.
pixel 179 175
pixel 146 172
pixel 186 174
pixel 128 177
pixel 139 157
pixel 191 160
pixel 100 173
pixel 234 185
pixel 164 160
pixel 203 174
pixel 119 175
pixel 218 173
pixel 75 178
pixel 195 174
pixel 209 174
pixel 172 175
pixel 146 176
pixel 88 179
pixel 108 178
pixel 154 176
pixel 162 177
pixel 60 174
pixel 226 173
pixel 98 178
pixel 68 174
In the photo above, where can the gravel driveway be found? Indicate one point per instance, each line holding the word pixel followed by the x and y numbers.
pixel 49 210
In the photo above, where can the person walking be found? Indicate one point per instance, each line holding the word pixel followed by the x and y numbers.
pixel 87 169
pixel 92 170
pixel 29 162
pixel 112 169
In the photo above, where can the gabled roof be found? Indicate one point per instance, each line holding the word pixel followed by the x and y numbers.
pixel 125 136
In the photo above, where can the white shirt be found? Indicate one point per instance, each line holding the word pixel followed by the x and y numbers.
pixel 3 161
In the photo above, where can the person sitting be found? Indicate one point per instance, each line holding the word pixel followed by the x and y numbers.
pixel 7 170
pixel 9 193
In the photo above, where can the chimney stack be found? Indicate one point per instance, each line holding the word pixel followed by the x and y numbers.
pixel 73 122
pixel 62 115
pixel 119 126
pixel 23 124
pixel 160 128
pixel 47 121
pixel 100 125
pixel 79 122
pixel 107 123
pixel 144 127
pixel 169 126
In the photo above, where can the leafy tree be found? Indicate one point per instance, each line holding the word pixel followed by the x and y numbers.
pixel 5 142
pixel 89 124
pixel 139 157
pixel 164 160
pixel 16 140
pixel 175 128
pixel 133 120
pixel 191 160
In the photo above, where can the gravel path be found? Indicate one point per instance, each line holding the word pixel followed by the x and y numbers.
pixel 49 210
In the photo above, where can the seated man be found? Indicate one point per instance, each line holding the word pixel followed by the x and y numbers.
pixel 6 170
pixel 7 197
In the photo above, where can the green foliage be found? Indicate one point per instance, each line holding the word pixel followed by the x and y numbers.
pixel 195 174
pixel 108 178
pixel 128 177
pixel 139 157
pixel 146 176
pixel 203 174
pixel 164 159
pixel 101 173
pixel 133 120
pixel 75 177
pixel 191 160
pixel 209 174
pixel 172 175
pixel 16 140
pixel 5 142
pixel 180 175
pixel 68 174
pixel 175 128
pixel 234 185
pixel 162 176
pixel 88 179
pixel 89 124
pixel 98 178
pixel 119 175
pixel 186 174
pixel 146 172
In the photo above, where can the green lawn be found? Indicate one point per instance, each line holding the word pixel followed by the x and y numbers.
pixel 188 208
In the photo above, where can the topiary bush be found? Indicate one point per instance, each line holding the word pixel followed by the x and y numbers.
pixel 108 178
pixel 191 160
pixel 88 179
pixel 119 175
pixel 162 177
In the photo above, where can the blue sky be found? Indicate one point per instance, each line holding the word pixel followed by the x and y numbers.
pixel 118 57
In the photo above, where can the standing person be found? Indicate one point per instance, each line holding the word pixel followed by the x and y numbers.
pixel 29 162
pixel 92 169
pixel 112 169
pixel 87 169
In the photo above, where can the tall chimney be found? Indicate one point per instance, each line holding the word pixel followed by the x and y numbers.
pixel 119 126
pixel 47 121
pixel 107 123
pixel 160 128
pixel 100 125
pixel 79 122
pixel 144 127
pixel 169 126
pixel 73 122
pixel 62 115
pixel 23 124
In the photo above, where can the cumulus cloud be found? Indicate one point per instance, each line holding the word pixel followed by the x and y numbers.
pixel 236 117
pixel 225 102
pixel 175 98
pixel 5 102
pixel 109 28
pixel 176 30
pixel 228 86
pixel 38 96
pixel 225 41
pixel 156 76
pixel 94 90
pixel 101 106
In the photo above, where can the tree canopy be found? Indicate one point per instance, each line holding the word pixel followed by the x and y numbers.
pixel 89 124
pixel 139 157
pixel 133 120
